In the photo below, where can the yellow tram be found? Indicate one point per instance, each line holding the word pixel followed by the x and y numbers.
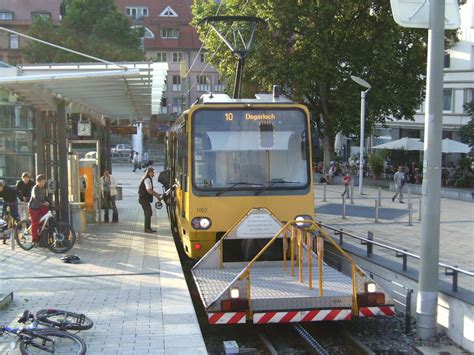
pixel 225 156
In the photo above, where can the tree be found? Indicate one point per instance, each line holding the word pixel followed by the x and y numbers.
pixel 467 131
pixel 312 47
pixel 89 26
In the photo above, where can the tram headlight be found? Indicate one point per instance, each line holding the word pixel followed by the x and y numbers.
pixel 303 218
pixel 201 223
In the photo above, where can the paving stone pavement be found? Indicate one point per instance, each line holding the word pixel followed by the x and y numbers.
pixel 456 227
pixel 130 283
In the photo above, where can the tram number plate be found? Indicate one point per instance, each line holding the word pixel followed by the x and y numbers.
pixel 201 210
pixel 336 300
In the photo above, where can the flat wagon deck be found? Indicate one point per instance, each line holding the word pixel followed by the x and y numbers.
pixel 301 287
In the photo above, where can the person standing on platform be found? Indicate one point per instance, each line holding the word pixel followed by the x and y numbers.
pixel 23 190
pixel 109 191
pixel 399 179
pixel 346 180
pixel 38 206
pixel 24 187
pixel 9 196
pixel 145 197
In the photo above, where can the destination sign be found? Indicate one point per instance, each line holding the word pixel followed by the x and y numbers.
pixel 260 116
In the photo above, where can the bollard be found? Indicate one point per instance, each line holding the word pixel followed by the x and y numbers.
pixel 324 192
pixel 12 240
pixel 352 194
pixel 409 195
pixel 410 209
pixel 376 211
pixel 419 209
pixel 344 207
pixel 380 196
pixel 370 246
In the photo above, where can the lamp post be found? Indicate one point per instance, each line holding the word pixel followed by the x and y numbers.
pixel 365 84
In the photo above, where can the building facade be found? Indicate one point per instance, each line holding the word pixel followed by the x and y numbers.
pixel 17 15
pixel 170 38
pixel 458 89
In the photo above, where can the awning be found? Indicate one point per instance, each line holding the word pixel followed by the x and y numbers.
pixel 123 91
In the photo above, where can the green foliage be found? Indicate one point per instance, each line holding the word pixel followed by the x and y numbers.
pixel 376 163
pixel 89 26
pixel 467 131
pixel 312 47
pixel 465 182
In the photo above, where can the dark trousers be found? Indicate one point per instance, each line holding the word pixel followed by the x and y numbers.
pixel 146 205
pixel 109 202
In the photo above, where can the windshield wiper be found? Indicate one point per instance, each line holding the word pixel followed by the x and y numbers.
pixel 234 185
pixel 272 183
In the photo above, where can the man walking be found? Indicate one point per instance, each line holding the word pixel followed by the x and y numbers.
pixel 9 196
pixel 346 180
pixel 399 179
pixel 136 161
pixel 145 197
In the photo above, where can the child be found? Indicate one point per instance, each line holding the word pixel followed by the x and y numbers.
pixel 346 180
pixel 38 205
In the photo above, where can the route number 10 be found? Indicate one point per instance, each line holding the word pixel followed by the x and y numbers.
pixel 229 116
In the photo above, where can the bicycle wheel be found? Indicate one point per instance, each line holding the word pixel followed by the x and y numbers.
pixel 64 319
pixel 61 237
pixel 51 341
pixel 23 234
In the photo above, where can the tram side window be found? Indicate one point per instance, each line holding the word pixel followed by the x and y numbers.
pixel 182 148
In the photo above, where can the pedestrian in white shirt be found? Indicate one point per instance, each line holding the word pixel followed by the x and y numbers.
pixel 399 179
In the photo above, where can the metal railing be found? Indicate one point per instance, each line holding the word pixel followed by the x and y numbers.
pixel 449 270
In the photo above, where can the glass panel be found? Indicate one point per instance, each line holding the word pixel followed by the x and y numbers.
pixel 16 116
pixel 447 100
pixel 264 148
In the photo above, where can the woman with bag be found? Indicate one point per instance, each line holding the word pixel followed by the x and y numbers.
pixel 109 192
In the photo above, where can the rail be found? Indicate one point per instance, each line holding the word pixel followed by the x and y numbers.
pixel 300 234
pixel 449 270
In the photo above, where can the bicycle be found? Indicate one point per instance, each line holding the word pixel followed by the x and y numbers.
pixel 7 225
pixel 59 237
pixel 34 339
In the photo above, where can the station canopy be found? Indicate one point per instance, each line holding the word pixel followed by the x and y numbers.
pixel 129 90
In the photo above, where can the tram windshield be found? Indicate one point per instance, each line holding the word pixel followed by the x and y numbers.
pixel 256 150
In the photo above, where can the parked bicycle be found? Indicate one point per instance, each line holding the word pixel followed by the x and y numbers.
pixel 39 335
pixel 8 225
pixel 59 237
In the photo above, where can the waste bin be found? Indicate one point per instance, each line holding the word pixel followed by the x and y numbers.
pixel 119 193
pixel 78 216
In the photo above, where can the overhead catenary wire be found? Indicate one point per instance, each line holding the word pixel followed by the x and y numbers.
pixel 215 53
pixel 62 48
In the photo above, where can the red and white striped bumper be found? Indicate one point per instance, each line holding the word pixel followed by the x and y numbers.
pixel 376 311
pixel 226 317
pixel 302 316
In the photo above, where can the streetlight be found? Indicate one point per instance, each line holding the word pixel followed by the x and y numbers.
pixel 365 84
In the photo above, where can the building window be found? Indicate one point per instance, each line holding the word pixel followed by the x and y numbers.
pixel 165 85
pixel 43 14
pixel 176 83
pixel 203 57
pixel 177 57
pixel 447 60
pixel 202 83
pixel 168 12
pixel 137 13
pixel 164 105
pixel 448 100
pixel 14 41
pixel 410 133
pixel 219 86
pixel 161 57
pixel 176 105
pixel 468 97
pixel 6 16
pixel 169 33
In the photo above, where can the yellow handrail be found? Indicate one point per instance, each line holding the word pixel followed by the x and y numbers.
pixel 298 234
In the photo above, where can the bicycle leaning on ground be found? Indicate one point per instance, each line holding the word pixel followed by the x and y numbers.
pixel 8 225
pixel 41 334
pixel 59 237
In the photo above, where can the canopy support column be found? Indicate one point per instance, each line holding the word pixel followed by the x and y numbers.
pixel 62 157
